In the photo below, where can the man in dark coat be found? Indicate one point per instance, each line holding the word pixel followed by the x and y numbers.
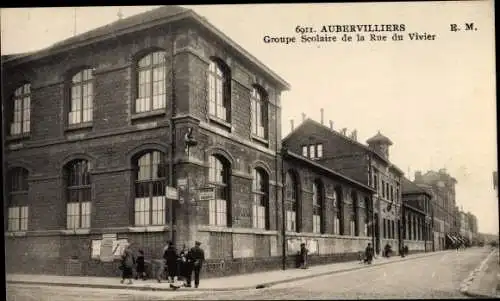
pixel 196 257
pixel 170 257
pixel 369 253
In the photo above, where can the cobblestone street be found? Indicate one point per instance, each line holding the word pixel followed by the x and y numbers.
pixel 428 277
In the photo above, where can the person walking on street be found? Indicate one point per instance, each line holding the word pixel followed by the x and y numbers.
pixel 170 257
pixel 196 257
pixel 369 253
pixel 303 256
pixel 140 266
pixel 127 265
pixel 162 266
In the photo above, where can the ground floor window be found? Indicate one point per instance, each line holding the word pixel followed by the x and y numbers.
pixel 336 225
pixel 218 212
pixel 291 221
pixel 18 218
pixel 78 215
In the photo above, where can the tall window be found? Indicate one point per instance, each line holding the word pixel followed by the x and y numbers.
pixel 78 194
pixel 218 90
pixel 354 215
pixel 81 97
pixel 219 177
pixel 339 205
pixel 367 229
pixel 304 150
pixel 260 189
pixel 259 113
pixel 18 192
pixel 151 82
pixel 317 207
pixel 21 111
pixel 150 182
pixel 291 190
pixel 384 221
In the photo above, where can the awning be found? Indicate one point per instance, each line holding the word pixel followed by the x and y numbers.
pixel 452 238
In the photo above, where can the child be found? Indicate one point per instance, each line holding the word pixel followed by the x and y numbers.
pixel 140 266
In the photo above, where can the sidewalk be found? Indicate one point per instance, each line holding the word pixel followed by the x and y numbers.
pixel 240 282
pixel 487 282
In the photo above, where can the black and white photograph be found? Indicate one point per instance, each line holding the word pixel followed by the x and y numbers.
pixel 250 151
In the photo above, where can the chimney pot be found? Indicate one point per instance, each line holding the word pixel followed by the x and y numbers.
pixel 331 125
pixel 322 115
pixel 303 117
pixel 291 123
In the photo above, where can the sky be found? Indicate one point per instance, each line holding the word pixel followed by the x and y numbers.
pixel 434 99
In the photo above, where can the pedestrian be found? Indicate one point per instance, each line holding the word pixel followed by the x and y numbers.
pixel 303 256
pixel 195 257
pixel 162 266
pixel 127 264
pixel 369 254
pixel 387 250
pixel 170 257
pixel 406 250
pixel 183 265
pixel 140 266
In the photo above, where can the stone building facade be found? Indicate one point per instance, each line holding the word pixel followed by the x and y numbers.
pixel 442 187
pixel 417 218
pixel 97 127
pixel 367 164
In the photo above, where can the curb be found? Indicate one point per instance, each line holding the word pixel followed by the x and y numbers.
pixel 467 282
pixel 259 286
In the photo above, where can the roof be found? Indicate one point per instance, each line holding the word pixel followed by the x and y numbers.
pixel 380 139
pixel 155 17
pixel 408 187
pixel 328 170
pixel 355 142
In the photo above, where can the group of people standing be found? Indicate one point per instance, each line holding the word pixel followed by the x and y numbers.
pixel 182 265
pixel 176 265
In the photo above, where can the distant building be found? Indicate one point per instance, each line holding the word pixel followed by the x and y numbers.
pixel 442 187
pixel 417 217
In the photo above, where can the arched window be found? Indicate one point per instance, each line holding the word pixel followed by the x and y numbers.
pixel 291 190
pixel 317 207
pixel 150 182
pixel 81 97
pixel 219 90
pixel 353 222
pixel 219 177
pixel 338 220
pixel 78 194
pixel 21 110
pixel 260 190
pixel 258 110
pixel 18 197
pixel 151 82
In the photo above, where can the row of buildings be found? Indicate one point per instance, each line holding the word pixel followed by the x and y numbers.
pixel 159 127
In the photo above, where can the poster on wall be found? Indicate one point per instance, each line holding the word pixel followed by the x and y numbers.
pixel 312 246
pixel 106 254
pixel 119 247
pixel 96 249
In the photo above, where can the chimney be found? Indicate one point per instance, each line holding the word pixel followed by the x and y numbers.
pixel 344 131
pixel 418 176
pixel 354 135
pixel 322 115
pixel 303 117
pixel 291 124
pixel 331 125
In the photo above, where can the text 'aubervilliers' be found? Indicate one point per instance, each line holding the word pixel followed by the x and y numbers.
pixel 349 33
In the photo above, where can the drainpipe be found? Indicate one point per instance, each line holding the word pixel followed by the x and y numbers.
pixel 276 164
pixel 283 212
pixel 372 201
pixel 171 135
